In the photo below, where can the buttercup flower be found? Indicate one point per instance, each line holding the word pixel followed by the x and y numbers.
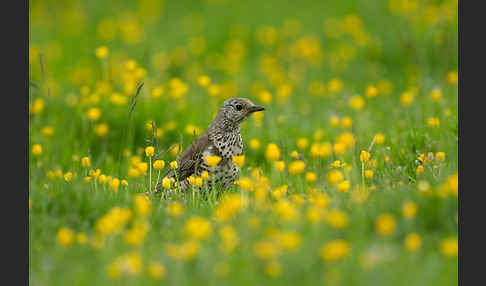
pixel 212 161
pixel 273 152
pixel 149 151
pixel 37 149
pixel 385 225
pixel 335 250
pixel 238 160
pixel 85 162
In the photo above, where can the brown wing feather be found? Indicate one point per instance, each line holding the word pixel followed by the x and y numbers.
pixel 189 158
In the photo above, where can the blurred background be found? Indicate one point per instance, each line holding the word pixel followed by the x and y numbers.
pixel 334 76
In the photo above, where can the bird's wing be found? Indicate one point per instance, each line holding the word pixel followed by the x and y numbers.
pixel 190 158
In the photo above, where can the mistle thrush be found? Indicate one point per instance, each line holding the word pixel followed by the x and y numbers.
pixel 221 138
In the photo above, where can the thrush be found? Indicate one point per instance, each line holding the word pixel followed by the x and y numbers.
pixel 222 138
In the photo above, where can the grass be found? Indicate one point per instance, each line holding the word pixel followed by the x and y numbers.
pixel 245 47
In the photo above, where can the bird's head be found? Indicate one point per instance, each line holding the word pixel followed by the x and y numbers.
pixel 237 109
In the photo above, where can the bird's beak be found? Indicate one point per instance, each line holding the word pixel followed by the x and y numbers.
pixel 255 108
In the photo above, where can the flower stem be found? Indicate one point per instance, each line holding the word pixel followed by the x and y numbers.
pixel 150 174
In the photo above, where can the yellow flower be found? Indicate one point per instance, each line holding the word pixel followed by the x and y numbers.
pixel 337 219
pixel 413 242
pixel 159 164
pixel 186 251
pixel 124 183
pixel 47 131
pixel 198 228
pixel 335 250
pixel 302 143
pixel 356 102
pixel 334 176
pixel 266 250
pixel 279 192
pixel 142 205
pixel 204 80
pixel 346 122
pixel 310 177
pixel 133 172
pixel 364 156
pixel 238 160
pixel 294 154
pixel 273 152
pixel 149 151
pixel 286 210
pixel 433 122
pixel 289 240
pixel 127 265
pixel 175 209
pixel 435 94
pixel 136 234
pixel 420 170
pixel 280 166
pixel 142 167
pixel 37 106
pixel 229 238
pixel 68 176
pixel 37 149
pixel 337 164
pixel 449 247
pixel 314 214
pixel 406 98
pixel 245 183
pixel 369 174
pixel 318 199
pixel 452 77
pixel 347 139
pixel 371 91
pixel 156 270
pixel 343 186
pixel 265 97
pixel 102 179
pixel 198 182
pixel 339 148
pixel 192 130
pixel 191 179
pixel 212 161
pixel 409 209
pixel 166 183
pixel 81 238
pixel 85 162
pixel 174 165
pixel 334 85
pixel 87 179
pixel 65 236
pixel 254 144
pixel 156 93
pixel 379 138
pixel 114 184
pixel 102 52
pixel 385 224
pixel 94 114
pixel 205 175
pixel 296 167
pixel 334 121
pixel 440 156
pixel 135 160
pixel 101 129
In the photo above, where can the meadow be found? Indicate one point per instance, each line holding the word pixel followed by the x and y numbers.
pixel 349 177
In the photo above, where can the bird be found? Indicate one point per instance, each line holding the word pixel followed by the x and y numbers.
pixel 222 138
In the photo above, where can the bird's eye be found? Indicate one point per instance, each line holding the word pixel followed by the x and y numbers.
pixel 239 107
